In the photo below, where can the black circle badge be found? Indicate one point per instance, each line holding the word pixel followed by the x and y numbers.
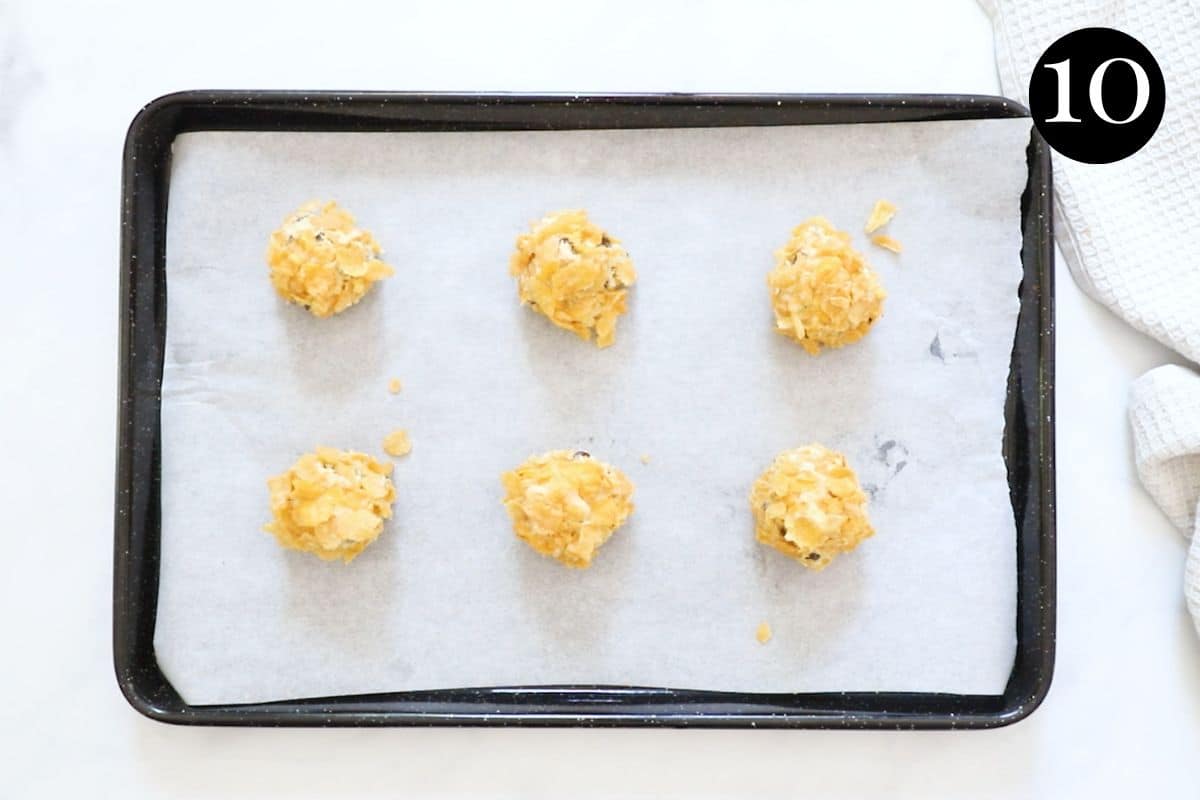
pixel 1097 95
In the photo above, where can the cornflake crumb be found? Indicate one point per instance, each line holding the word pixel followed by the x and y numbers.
pixel 321 260
pixel 573 273
pixel 331 503
pixel 822 290
pixel 881 215
pixel 886 242
pixel 396 443
pixel 763 634
pixel 566 504
pixel 394 386
pixel 808 505
pixel 645 459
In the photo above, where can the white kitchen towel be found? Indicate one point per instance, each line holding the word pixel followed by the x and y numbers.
pixel 1129 230
pixel 1164 409
pixel 1191 581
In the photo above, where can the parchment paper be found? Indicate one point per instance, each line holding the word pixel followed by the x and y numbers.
pixel 697 380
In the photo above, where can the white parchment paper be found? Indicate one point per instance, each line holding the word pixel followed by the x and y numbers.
pixel 697 380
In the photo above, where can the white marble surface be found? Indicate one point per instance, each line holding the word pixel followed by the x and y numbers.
pixel 1123 714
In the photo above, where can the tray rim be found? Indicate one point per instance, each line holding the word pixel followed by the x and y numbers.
pixel 135 566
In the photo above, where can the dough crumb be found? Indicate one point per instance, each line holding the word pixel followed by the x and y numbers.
pixel 808 505
pixel 396 443
pixel 886 242
pixel 321 260
pixel 331 503
pixel 763 634
pixel 566 504
pixel 881 215
pixel 573 273
pixel 394 386
pixel 645 459
pixel 822 290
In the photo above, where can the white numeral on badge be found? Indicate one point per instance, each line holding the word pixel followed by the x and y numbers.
pixel 1062 70
pixel 1140 100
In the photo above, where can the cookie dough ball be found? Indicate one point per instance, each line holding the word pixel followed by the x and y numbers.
pixel 321 260
pixel 566 504
pixel 573 273
pixel 808 505
pixel 331 503
pixel 823 291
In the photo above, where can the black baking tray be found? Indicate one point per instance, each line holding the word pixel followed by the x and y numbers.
pixel 1028 438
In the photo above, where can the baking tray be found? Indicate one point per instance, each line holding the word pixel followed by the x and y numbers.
pixel 1028 439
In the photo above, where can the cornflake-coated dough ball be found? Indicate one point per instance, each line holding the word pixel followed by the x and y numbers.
pixel 808 505
pixel 824 293
pixel 331 503
pixel 321 260
pixel 566 504
pixel 573 273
